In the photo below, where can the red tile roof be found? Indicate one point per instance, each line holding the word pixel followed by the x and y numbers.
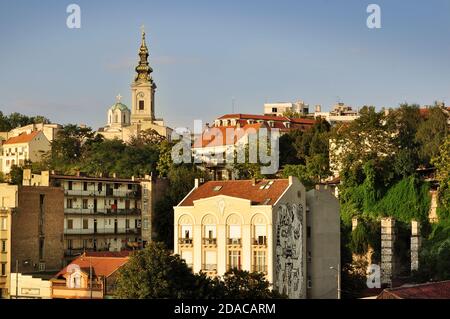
pixel 217 136
pixel 241 189
pixel 22 138
pixel 432 290
pixel 101 266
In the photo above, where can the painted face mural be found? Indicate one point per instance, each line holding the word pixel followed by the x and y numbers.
pixel 289 251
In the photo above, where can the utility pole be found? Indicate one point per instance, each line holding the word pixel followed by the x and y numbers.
pixel 90 274
pixel 338 270
pixel 17 278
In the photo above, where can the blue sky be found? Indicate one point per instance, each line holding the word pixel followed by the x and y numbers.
pixel 205 53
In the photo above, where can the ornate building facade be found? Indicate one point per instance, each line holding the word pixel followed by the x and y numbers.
pixel 124 123
pixel 269 226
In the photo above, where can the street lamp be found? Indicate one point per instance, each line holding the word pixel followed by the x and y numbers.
pixel 26 262
pixel 338 270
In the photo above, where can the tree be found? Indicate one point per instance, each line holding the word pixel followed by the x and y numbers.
pixel 16 175
pixel 442 164
pixel 431 134
pixel 241 284
pixel 155 273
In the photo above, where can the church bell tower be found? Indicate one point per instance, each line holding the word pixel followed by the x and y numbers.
pixel 143 89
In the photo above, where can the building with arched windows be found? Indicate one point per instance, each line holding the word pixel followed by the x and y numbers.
pixel 270 226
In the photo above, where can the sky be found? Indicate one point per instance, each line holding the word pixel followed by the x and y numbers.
pixel 207 53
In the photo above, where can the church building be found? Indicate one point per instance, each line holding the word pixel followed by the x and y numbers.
pixel 124 123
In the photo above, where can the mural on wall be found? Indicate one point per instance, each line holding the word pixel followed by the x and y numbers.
pixel 289 276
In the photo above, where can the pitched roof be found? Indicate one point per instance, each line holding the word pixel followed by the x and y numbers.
pixel 22 138
pixel 217 136
pixel 245 189
pixel 432 290
pixel 101 266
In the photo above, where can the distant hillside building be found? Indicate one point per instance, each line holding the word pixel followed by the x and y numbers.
pixel 269 226
pixel 340 113
pixel 280 108
pixel 25 147
pixel 124 123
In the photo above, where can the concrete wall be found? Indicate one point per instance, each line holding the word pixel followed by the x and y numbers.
pixel 324 243
pixel 29 287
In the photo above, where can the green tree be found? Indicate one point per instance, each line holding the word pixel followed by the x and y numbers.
pixel 155 273
pixel 16 175
pixel 431 134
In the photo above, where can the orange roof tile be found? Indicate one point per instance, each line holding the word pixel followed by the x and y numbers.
pixel 433 290
pixel 101 266
pixel 22 138
pixel 241 189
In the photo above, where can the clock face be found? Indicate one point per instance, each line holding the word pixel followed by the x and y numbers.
pixel 141 94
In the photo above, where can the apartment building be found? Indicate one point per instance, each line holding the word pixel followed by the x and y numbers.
pixel 269 226
pixel 22 148
pixel 103 213
pixel 31 233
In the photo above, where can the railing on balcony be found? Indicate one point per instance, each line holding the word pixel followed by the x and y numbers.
pixel 260 268
pixel 185 241
pixel 63 285
pixel 209 241
pixel 103 193
pixel 234 241
pixel 108 211
pixel 209 267
pixel 260 241
pixel 101 231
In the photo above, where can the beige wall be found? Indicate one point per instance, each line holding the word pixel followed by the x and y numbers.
pixel 9 201
pixel 30 287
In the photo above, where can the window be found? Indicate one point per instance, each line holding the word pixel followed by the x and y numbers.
pixel 127 223
pixel 308 232
pixel 260 235
pixel 69 203
pixel 274 110
pixel 69 244
pixel 70 185
pixel 69 224
pixel 3 246
pixel 234 259
pixel 99 187
pixel 234 236
pixel 187 256
pixel 3 225
pixel 85 186
pixel 3 270
pixel 41 248
pixel 130 186
pixel 259 261
pixel 210 261
pixel 116 186
pixel 85 204
pixel 141 105
pixel 85 224
pixel 209 234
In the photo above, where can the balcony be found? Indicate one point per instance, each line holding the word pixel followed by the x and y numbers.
pixel 259 268
pixel 209 267
pixel 234 241
pixel 103 193
pixel 105 212
pixel 185 241
pixel 209 241
pixel 260 241
pixel 101 231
